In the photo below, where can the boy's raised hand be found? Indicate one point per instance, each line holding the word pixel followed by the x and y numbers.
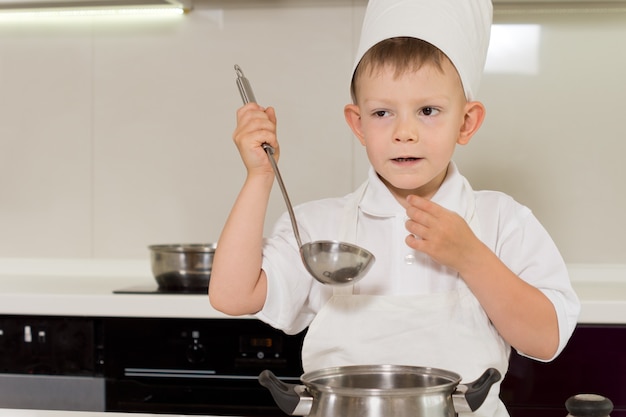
pixel 441 234
pixel 256 125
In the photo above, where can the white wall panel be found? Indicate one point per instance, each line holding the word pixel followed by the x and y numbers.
pixel 116 135
pixel 45 146
pixel 554 139
pixel 166 169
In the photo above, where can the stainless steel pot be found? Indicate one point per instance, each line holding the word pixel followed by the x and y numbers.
pixel 182 267
pixel 380 391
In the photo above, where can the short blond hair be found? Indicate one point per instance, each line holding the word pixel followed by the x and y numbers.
pixel 402 53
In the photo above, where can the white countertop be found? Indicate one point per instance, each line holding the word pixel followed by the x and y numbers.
pixel 85 288
pixel 93 296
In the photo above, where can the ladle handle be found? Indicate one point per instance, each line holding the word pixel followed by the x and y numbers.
pixel 247 95
pixel 269 150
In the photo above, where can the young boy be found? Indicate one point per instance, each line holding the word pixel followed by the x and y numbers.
pixel 460 276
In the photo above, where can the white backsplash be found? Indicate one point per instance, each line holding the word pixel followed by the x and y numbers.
pixel 117 134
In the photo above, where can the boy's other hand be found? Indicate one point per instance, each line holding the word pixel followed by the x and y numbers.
pixel 441 234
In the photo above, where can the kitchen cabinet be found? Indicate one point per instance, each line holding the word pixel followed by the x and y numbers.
pixel 594 361
pixel 147 364
pixel 51 363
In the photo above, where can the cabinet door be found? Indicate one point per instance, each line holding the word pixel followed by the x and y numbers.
pixel 594 361
pixel 49 345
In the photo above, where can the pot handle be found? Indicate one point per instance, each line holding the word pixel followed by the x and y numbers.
pixel 291 398
pixel 474 393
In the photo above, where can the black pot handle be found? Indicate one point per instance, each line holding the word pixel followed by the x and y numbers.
pixel 477 391
pixel 288 397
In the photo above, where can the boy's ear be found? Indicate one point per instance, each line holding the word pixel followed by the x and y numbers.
pixel 473 119
pixel 352 113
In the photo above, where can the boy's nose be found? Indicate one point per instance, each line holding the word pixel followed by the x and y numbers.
pixel 406 132
pixel 406 138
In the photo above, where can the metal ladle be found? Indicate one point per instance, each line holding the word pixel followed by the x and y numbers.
pixel 328 261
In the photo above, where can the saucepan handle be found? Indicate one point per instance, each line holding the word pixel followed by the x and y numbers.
pixel 293 399
pixel 472 395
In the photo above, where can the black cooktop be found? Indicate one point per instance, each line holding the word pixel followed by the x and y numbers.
pixel 155 289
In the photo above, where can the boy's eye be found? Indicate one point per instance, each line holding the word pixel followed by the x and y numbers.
pixel 429 111
pixel 380 113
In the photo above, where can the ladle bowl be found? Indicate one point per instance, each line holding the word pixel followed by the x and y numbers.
pixel 336 263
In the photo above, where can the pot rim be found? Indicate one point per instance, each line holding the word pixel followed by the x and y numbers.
pixel 309 379
pixel 184 247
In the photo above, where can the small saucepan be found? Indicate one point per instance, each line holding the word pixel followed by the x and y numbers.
pixel 182 267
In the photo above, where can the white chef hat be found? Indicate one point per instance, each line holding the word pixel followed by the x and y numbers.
pixel 459 28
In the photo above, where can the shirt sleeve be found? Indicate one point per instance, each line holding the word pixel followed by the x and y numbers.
pixel 525 246
pixel 288 283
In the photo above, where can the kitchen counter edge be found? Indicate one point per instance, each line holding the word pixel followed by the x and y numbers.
pixel 87 289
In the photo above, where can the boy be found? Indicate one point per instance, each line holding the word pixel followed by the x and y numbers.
pixel 460 276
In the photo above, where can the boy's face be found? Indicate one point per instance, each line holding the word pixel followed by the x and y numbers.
pixel 411 123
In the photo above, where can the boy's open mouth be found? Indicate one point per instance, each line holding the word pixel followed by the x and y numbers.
pixel 405 159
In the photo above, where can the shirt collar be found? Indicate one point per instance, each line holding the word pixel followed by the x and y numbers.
pixel 454 194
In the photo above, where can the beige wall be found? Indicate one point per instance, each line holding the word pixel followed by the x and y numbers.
pixel 555 139
pixel 117 135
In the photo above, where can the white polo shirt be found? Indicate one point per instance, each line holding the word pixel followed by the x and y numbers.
pixel 508 228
